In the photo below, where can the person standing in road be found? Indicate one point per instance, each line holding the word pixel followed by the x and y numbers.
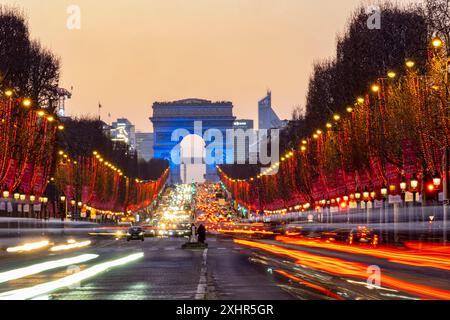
pixel 193 233
pixel 201 231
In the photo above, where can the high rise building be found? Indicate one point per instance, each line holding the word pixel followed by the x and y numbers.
pixel 124 131
pixel 267 117
pixel 144 145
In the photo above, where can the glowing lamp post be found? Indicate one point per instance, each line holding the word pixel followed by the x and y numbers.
pixel 64 205
pixel 437 184
pixel 366 196
pixel 414 184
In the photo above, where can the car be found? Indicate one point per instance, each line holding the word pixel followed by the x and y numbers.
pixel 338 235
pixel 363 235
pixel 360 235
pixel 135 233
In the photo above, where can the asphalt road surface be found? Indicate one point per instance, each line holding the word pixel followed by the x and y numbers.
pixel 166 271
pixel 263 269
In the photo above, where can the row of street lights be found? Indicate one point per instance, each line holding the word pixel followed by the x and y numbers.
pixel 22 198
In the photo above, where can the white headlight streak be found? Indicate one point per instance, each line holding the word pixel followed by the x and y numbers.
pixel 40 267
pixel 45 288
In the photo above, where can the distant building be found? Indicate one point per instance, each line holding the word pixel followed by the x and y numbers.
pixel 106 128
pixel 242 142
pixel 267 118
pixel 59 102
pixel 144 145
pixel 124 131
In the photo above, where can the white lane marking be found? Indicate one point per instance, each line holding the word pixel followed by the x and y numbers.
pixel 221 248
pixel 41 267
pixel 202 284
pixel 44 288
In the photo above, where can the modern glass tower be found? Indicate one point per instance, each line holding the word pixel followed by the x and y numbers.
pixel 267 117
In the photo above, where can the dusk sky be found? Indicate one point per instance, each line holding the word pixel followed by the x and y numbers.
pixel 130 53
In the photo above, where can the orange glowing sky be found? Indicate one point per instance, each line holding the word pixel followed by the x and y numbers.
pixel 130 53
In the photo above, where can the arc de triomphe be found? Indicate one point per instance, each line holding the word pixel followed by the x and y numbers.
pixel 182 114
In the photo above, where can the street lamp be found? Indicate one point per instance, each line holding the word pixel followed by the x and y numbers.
pixel 410 63
pixel 365 194
pixel 384 191
pixel 436 180
pixel 437 184
pixel 64 202
pixel 6 194
pixel 26 102
pixel 436 42
pixel 403 189
pixel 357 195
pixel 414 184
pixel 45 201
pixel 366 201
pixel 391 74
pixel 403 185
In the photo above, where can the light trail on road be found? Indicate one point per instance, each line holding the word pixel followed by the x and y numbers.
pixel 70 245
pixel 45 288
pixel 29 246
pixel 309 284
pixel 347 268
pixel 40 267
pixel 244 231
pixel 417 259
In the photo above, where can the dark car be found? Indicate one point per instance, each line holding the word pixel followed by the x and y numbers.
pixel 359 235
pixel 135 233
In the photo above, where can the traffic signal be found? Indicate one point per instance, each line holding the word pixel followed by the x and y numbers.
pixel 430 191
